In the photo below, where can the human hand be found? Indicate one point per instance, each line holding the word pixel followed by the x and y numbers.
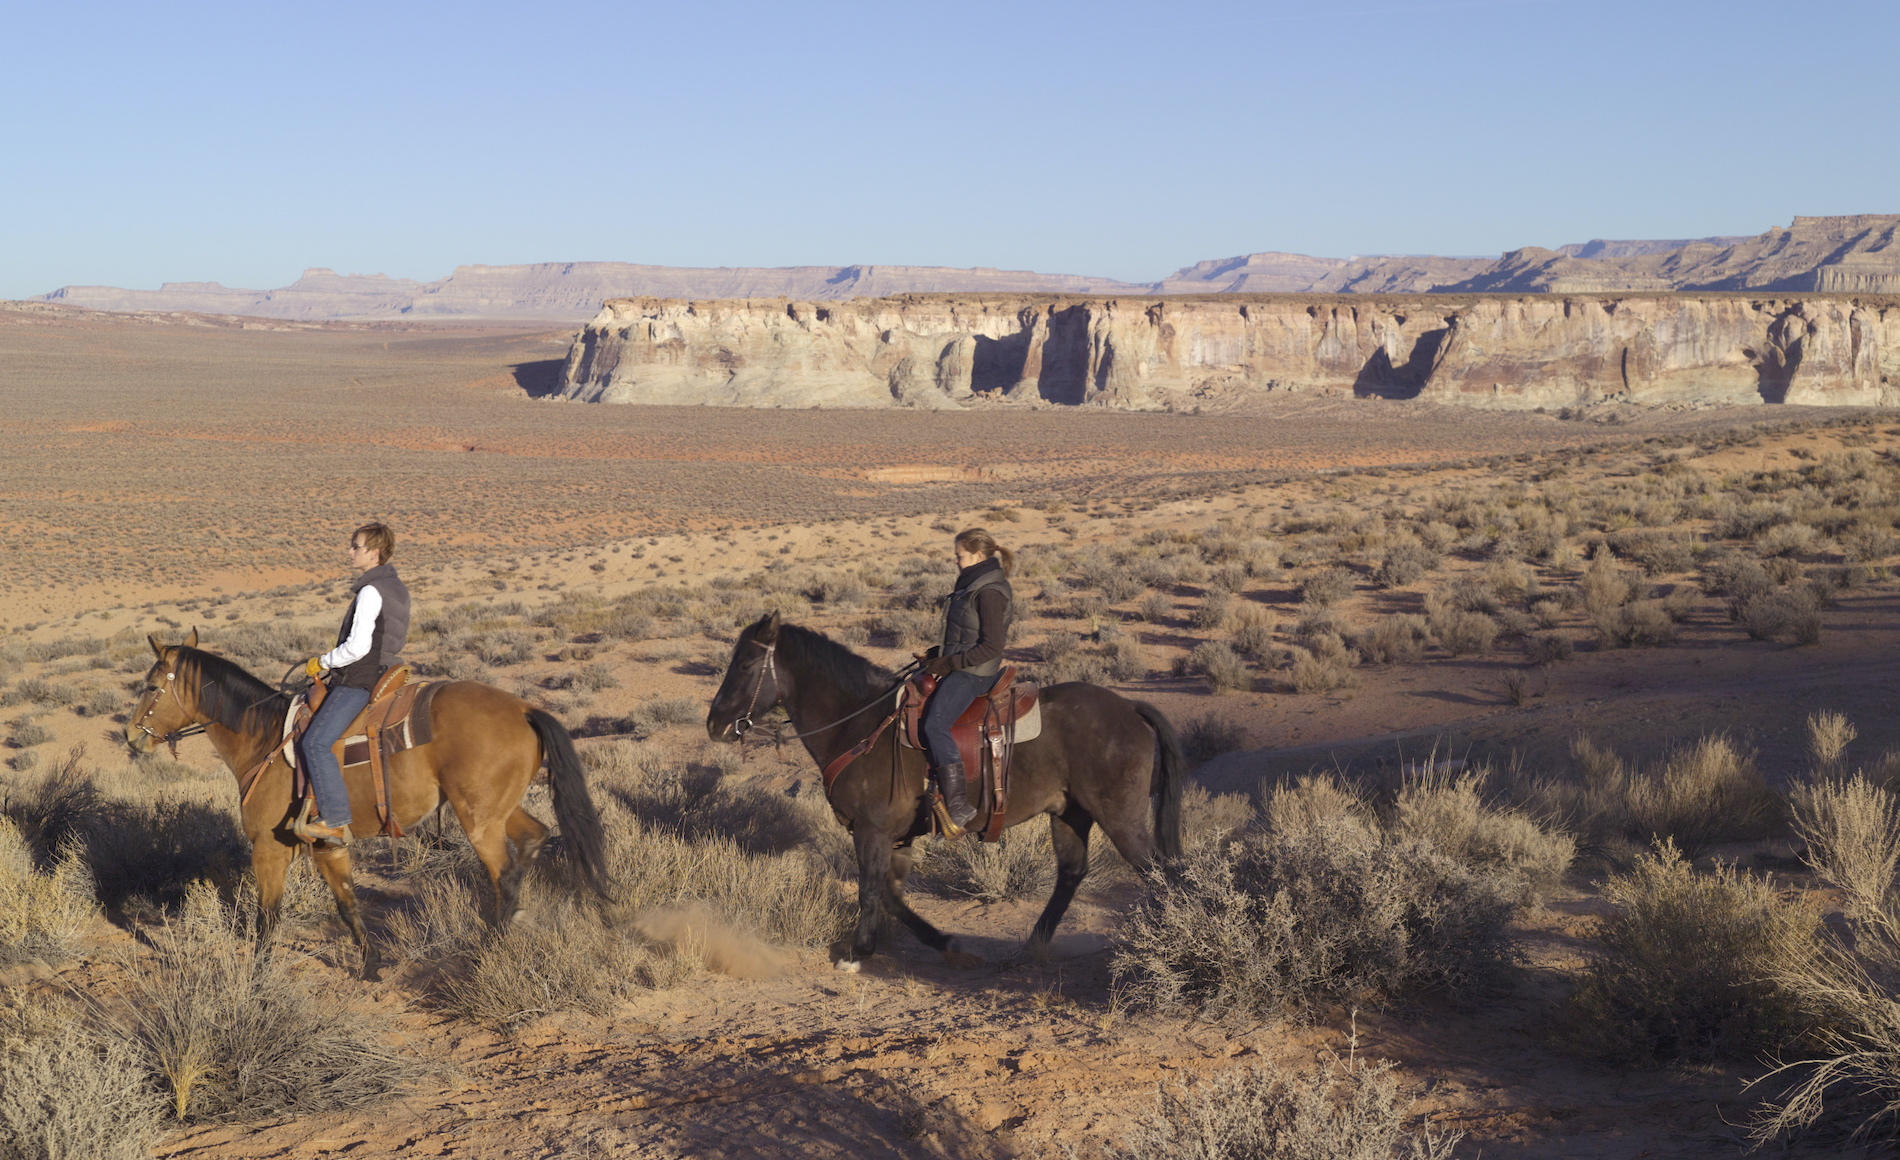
pixel 938 666
pixel 313 668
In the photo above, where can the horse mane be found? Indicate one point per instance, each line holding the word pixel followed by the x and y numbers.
pixel 858 677
pixel 230 696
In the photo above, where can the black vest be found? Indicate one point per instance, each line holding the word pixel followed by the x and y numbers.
pixel 961 626
pixel 386 639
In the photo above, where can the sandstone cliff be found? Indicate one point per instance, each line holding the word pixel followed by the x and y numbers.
pixel 1148 352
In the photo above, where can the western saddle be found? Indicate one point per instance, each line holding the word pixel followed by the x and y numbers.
pixel 986 735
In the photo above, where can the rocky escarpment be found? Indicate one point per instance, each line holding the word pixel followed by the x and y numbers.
pixel 1513 351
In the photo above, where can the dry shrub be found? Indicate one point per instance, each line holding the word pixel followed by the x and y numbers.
pixel 1315 800
pixel 1548 648
pixel 1254 641
pixel 1829 735
pixel 1781 614
pixel 1275 925
pixel 1698 796
pixel 1852 831
pixel 1021 865
pixel 1213 817
pixel 1786 540
pixel 1323 672
pixel 1154 608
pixel 226 1035
pixel 1326 587
pixel 1399 638
pixel 1209 735
pixel 1405 562
pixel 1448 811
pixel 1688 965
pixel 68 1092
pixel 1126 659
pixel 1464 633
pixel 561 959
pixel 1645 623
pixel 1216 663
pixel 1342 1110
pixel 1211 613
pixel 44 914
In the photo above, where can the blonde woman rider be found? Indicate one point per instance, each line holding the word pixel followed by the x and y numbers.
pixel 975 631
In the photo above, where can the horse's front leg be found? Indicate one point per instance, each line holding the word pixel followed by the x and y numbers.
pixel 270 862
pixel 874 887
pixel 917 924
pixel 334 864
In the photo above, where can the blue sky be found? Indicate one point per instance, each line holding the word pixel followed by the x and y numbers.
pixel 142 143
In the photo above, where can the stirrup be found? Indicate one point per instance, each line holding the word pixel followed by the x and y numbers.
pixel 951 831
pixel 332 837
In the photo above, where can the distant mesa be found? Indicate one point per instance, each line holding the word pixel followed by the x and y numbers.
pixel 1854 254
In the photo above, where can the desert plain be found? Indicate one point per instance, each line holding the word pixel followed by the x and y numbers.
pixel 1582 575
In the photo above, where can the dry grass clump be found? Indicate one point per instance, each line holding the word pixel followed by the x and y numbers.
pixel 68 1092
pixel 1217 664
pixel 1021 865
pixel 562 958
pixel 1689 965
pixel 1698 796
pixel 1273 925
pixel 44 913
pixel 1448 810
pixel 1342 1110
pixel 1213 817
pixel 1848 1091
pixel 226 1035
pixel 1463 633
pixel 1396 639
pixel 1209 735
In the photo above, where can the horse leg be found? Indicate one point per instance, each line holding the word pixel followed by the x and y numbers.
pixel 525 836
pixel 917 924
pixel 874 887
pixel 334 865
pixel 1069 832
pixel 270 862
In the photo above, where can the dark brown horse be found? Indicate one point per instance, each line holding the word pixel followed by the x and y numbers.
pixel 1100 760
pixel 488 745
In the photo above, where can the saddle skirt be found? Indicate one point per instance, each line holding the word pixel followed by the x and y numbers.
pixel 396 719
pixel 993 725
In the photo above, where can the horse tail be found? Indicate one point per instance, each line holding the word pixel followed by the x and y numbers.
pixel 581 831
pixel 1167 782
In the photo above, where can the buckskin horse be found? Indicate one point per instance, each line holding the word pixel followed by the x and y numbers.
pixel 1099 761
pixel 488 746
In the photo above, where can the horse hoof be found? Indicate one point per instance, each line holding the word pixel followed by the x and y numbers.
pixel 849 966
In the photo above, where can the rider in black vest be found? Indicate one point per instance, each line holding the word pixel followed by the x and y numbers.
pixel 975 629
pixel 374 629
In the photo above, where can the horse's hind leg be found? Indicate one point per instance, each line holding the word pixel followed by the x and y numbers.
pixel 1069 832
pixel 504 869
pixel 334 865
pixel 526 836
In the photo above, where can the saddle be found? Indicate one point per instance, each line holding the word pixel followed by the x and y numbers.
pixel 991 728
pixel 396 719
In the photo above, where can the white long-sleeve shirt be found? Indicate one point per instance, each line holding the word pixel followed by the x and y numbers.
pixel 355 646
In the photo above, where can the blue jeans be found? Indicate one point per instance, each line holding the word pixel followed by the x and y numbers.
pixel 326 778
pixel 954 694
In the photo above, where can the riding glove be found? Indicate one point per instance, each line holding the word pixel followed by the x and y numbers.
pixel 938 666
pixel 313 668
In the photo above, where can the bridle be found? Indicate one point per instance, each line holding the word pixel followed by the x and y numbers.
pixel 745 722
pixel 170 740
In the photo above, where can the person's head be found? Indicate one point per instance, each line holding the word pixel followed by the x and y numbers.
pixel 975 544
pixel 370 545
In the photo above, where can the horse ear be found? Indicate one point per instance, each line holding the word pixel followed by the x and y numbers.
pixel 768 628
pixel 158 650
pixel 193 642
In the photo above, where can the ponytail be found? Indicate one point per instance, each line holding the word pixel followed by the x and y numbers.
pixel 979 541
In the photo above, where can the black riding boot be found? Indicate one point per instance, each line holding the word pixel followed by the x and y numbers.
pixel 950 782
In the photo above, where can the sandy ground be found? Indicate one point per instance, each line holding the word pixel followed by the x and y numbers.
pixel 912 1057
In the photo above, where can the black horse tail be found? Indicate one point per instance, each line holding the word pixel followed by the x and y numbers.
pixel 1167 780
pixel 581 831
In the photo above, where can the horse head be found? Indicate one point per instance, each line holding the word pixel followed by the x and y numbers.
pixel 161 710
pixel 751 687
